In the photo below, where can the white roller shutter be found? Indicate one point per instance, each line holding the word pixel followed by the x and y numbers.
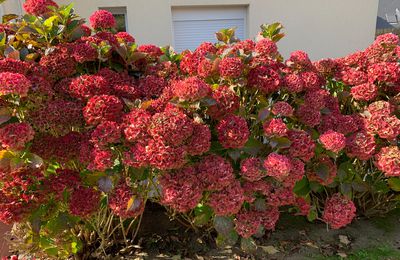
pixel 194 25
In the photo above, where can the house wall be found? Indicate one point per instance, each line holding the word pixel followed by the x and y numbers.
pixel 323 28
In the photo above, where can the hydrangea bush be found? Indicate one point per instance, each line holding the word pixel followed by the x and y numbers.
pixel 230 135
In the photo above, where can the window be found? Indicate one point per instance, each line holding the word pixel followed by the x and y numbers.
pixel 194 25
pixel 120 15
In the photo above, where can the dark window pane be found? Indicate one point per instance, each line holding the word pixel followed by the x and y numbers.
pixel 121 22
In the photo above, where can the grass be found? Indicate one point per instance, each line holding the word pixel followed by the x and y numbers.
pixel 381 252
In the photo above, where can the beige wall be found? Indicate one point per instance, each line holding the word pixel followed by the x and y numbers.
pixel 323 28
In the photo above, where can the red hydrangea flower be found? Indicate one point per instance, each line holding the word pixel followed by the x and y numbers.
pixel 295 175
pixel 302 146
pixel 309 115
pixel 215 172
pixel 101 159
pixel 311 80
pixel 364 92
pixel 247 223
pixel 59 63
pixel 84 52
pixel 135 124
pixel 152 86
pixel 388 72
pixel 173 127
pixel 164 157
pixel 387 127
pixel 226 102
pixel 275 127
pixel 388 40
pixel 233 132
pixel 316 98
pixel 14 83
pixel 252 190
pixel 137 156
pixel 102 19
pixel 266 47
pixel 190 63
pixel 200 141
pixel 87 86
pixel 231 67
pixel 14 66
pixel 252 169
pixel 299 60
pixel 84 202
pixel 282 108
pixel 205 48
pixel 38 7
pixel 14 136
pixel 326 67
pixel 281 196
pixel 119 201
pixel 380 108
pixel 324 171
pixel 303 206
pixel 63 149
pixel 361 145
pixel 206 68
pixel 181 190
pixel 151 50
pixel 58 117
pixel 102 108
pixel 247 46
pixel 125 37
pixel 333 141
pixel 86 30
pixel 345 124
pixel 265 79
pixel 227 201
pixel 339 211
pixel 106 133
pixel 293 83
pixel 353 77
pixel 277 165
pixel 191 89
pixel 356 60
pixel 388 161
pixel 63 180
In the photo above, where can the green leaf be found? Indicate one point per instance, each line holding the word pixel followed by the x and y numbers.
pixel 394 184
pixel 346 171
pixel 346 189
pixel 228 240
pixel 263 114
pixel 65 11
pixel 203 214
pixel 49 22
pixel 253 146
pixel 280 142
pixel 312 214
pixel 302 187
pixel 248 244
pixel 322 171
pixel 9 17
pixel 223 225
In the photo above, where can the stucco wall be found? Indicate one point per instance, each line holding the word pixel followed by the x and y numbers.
pixel 323 28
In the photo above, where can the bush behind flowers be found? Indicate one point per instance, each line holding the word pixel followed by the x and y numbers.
pixel 229 135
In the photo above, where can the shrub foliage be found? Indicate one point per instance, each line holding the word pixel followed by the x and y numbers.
pixel 95 126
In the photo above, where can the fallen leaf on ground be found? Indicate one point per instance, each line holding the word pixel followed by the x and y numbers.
pixel 310 244
pixel 271 250
pixel 344 239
